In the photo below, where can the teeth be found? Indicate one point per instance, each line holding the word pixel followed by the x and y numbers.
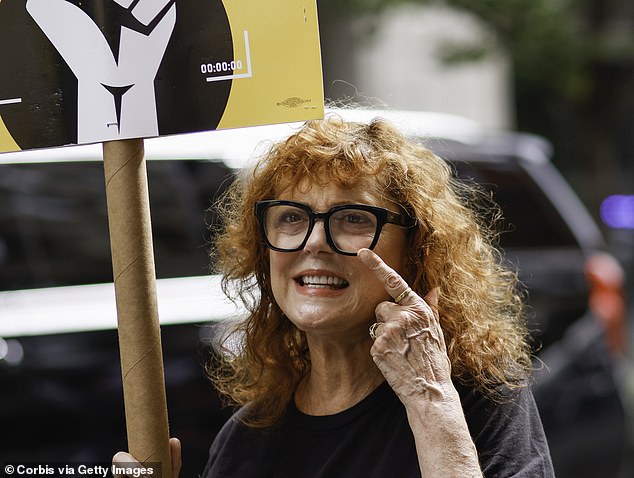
pixel 323 281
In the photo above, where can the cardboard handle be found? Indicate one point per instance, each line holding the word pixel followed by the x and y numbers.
pixel 137 310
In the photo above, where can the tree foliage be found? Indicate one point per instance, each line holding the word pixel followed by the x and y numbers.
pixel 554 44
pixel 573 66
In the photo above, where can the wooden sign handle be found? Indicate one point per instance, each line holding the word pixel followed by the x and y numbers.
pixel 137 309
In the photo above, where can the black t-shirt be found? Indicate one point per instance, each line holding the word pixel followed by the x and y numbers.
pixel 373 440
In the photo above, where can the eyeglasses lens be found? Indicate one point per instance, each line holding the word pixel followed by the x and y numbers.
pixel 286 226
pixel 351 229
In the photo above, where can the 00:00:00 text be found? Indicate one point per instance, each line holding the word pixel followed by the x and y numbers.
pixel 220 67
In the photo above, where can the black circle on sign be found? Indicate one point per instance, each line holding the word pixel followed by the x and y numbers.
pixel 187 101
pixel 34 71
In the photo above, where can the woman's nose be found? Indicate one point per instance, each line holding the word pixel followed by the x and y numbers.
pixel 317 241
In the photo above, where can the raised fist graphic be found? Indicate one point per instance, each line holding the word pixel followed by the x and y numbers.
pixel 116 97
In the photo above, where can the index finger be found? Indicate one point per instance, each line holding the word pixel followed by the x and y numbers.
pixel 394 284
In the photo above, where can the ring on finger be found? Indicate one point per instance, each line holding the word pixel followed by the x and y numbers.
pixel 402 295
pixel 373 328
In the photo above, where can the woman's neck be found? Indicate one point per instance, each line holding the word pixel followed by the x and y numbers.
pixel 341 375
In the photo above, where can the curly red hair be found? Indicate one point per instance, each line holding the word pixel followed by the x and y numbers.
pixel 451 247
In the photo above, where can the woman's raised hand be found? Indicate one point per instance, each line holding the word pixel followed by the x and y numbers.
pixel 124 460
pixel 409 347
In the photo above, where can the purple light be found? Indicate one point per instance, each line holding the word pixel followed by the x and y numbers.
pixel 618 211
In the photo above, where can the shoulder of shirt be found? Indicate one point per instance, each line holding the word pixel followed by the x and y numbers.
pixel 500 395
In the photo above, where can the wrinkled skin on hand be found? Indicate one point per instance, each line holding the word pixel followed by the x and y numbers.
pixel 410 346
pixel 125 460
pixel 411 353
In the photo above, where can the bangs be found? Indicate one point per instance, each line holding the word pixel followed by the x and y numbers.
pixel 344 172
pixel 321 157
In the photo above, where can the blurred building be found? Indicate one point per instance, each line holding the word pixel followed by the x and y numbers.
pixel 398 60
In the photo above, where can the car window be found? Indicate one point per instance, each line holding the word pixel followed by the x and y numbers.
pixel 54 229
pixel 530 218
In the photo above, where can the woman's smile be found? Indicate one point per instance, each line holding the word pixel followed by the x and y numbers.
pixel 320 282
pixel 319 289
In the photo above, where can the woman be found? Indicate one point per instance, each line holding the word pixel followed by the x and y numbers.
pixel 384 337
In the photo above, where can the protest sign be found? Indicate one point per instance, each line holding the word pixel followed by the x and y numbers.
pixel 82 72
pixel 115 71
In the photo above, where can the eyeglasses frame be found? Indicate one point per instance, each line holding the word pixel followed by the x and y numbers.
pixel 383 216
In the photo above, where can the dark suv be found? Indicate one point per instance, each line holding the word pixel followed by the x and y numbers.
pixel 575 290
pixel 59 364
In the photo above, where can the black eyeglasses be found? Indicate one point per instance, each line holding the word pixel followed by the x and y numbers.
pixel 287 225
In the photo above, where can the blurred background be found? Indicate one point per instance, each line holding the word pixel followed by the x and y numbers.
pixel 564 70
pixel 560 69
